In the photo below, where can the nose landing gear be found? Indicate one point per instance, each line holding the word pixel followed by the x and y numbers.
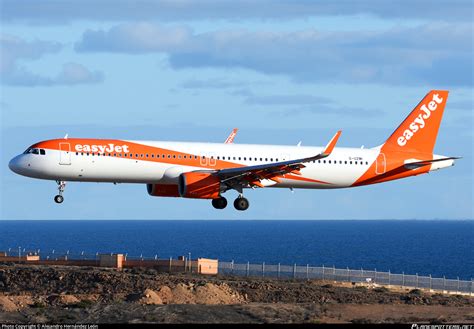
pixel 61 186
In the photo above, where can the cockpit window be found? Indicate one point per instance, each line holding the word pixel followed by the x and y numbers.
pixel 35 151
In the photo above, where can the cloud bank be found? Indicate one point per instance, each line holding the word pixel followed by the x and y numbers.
pixel 64 11
pixel 14 51
pixel 430 54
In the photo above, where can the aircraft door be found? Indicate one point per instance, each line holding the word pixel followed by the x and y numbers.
pixel 64 153
pixel 380 164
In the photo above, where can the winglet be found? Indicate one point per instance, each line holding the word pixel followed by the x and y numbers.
pixel 332 143
pixel 231 137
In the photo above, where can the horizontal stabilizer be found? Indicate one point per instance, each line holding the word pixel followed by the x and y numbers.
pixel 420 163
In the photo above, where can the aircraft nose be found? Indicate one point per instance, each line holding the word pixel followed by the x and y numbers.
pixel 14 164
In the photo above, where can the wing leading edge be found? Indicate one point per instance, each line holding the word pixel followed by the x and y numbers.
pixel 253 175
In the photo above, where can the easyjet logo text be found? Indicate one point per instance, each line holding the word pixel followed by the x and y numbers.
pixel 109 148
pixel 420 121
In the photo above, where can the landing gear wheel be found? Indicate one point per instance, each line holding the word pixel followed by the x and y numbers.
pixel 241 203
pixel 219 203
pixel 61 186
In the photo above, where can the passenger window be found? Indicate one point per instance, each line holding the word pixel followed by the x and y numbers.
pixel 324 161
pixel 276 160
pixel 350 162
pixel 244 159
pixel 261 159
pixel 355 162
pixel 266 159
pixel 366 163
pixel 319 161
pixel 271 159
pixel 329 161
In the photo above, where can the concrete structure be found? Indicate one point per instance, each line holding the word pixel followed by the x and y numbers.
pixel 119 261
pixel 205 266
pixel 111 260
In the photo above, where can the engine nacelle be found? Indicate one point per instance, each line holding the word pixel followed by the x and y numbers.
pixel 169 190
pixel 198 185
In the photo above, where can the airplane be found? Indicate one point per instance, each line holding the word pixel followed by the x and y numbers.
pixel 208 170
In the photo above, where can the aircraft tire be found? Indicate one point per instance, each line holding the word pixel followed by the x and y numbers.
pixel 241 204
pixel 219 203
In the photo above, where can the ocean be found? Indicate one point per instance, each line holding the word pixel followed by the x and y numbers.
pixel 436 247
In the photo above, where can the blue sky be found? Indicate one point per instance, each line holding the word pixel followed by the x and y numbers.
pixel 281 71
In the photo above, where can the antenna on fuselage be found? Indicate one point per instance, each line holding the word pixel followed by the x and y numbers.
pixel 65 136
pixel 299 144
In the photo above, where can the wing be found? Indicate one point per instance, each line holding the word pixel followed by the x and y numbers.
pixel 253 175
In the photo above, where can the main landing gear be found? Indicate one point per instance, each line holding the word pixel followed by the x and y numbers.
pixel 61 186
pixel 240 203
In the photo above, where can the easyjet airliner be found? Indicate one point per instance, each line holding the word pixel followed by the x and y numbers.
pixel 208 170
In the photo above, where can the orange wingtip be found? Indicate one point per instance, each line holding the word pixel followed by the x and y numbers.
pixel 332 143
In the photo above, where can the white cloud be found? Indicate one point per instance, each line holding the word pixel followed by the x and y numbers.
pixel 427 54
pixel 15 51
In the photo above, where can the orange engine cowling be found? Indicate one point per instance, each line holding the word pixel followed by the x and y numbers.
pixel 199 185
pixel 170 190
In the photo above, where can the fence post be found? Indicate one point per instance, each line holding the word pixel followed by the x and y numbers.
pixel 361 274
pixel 323 272
pixel 403 279
pixel 334 272
pixel 278 270
pixel 307 271
pixel 458 285
pixel 263 269
pixel 375 275
pixel 416 284
pixel 294 271
pixel 232 267
pixel 389 278
pixel 472 285
pixel 348 275
pixel 170 264
pixel 431 284
pixel 444 282
pixel 248 268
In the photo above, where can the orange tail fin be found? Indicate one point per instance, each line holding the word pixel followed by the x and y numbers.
pixel 418 132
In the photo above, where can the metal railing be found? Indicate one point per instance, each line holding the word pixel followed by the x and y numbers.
pixel 294 271
pixel 308 272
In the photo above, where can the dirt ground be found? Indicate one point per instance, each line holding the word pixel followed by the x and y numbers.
pixel 60 294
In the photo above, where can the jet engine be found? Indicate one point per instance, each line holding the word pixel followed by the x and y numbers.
pixel 169 190
pixel 198 185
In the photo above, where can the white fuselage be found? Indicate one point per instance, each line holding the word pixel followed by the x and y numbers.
pixel 341 169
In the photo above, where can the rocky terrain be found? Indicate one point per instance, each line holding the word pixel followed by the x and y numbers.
pixel 41 294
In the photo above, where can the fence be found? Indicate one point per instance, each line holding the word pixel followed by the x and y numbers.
pixel 346 275
pixel 295 271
